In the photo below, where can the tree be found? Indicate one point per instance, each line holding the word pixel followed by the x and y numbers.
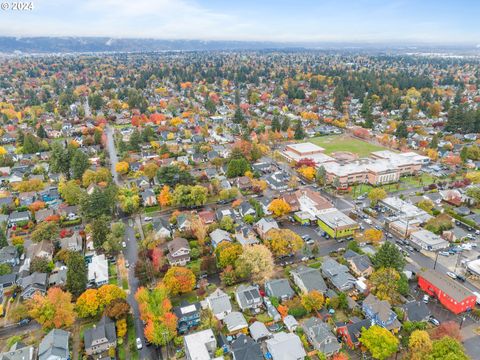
pixel 373 235
pixel 155 310
pixel 227 223
pixel 99 202
pixel 172 175
pixel 313 300
pixel 108 293
pixel 5 269
pixel 179 280
pixel 199 229
pixel 256 261
pixel 389 256
pixel 283 241
pixel 237 167
pixel 122 167
pixel 129 199
pixel 88 304
pixel 321 175
pixel 60 159
pixel 3 236
pixel 113 243
pixel 76 273
pixel 299 133
pixel 426 205
pixel 165 198
pixel 47 230
pixel 70 191
pixel 447 328
pixel 53 310
pixel 41 264
pixel 401 131
pixel 150 170
pixel 384 282
pixel 79 163
pixel 279 207
pixel 307 172
pixel 117 309
pixel 227 253
pixel 100 229
pixel 379 341
pixel 377 194
pixel 419 344
pixel 447 348
pixel 185 195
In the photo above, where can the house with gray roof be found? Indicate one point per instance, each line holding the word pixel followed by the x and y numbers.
pixel 178 252
pixel 31 284
pixel 285 346
pixel 321 337
pixel 308 279
pixel 245 348
pixel 235 322
pixel 337 274
pixel 361 265
pixel 416 311
pixel 101 337
pixel 19 351
pixel 248 297
pixel 54 346
pixel 280 289
pixel 9 255
pixel 218 236
pixel 259 331
pixel 219 303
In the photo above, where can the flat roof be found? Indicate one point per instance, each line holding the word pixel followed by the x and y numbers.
pixel 305 147
pixel 453 288
pixel 335 218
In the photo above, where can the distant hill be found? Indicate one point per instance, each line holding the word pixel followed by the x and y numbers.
pixel 32 45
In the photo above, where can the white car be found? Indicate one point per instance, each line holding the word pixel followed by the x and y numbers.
pixel 426 298
pixel 368 221
pixel 127 264
pixel 452 275
pixel 139 344
pixel 124 244
pixel 147 218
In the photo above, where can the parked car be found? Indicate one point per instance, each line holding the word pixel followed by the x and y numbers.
pixel 147 218
pixel 460 278
pixel 451 274
pixel 124 244
pixel 444 253
pixel 426 299
pixel 139 344
pixel 434 321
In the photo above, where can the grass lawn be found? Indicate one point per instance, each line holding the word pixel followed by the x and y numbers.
pixel 112 269
pixel 152 209
pixel 132 336
pixel 335 143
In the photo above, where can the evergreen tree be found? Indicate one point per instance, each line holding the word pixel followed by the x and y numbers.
pixel 79 163
pixel 3 237
pixel 276 124
pixel 434 142
pixel 401 131
pixel 299 133
pixel 76 273
pixel 41 133
pixel 238 116
pixel 285 124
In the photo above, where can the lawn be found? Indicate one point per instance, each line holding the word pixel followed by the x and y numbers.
pixel 335 143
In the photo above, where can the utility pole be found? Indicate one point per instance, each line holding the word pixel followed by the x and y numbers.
pixel 435 263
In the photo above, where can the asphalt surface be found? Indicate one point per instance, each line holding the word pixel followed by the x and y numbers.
pixel 131 255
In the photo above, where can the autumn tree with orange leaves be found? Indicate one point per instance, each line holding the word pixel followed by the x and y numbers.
pixel 165 197
pixel 156 311
pixel 179 280
pixel 53 310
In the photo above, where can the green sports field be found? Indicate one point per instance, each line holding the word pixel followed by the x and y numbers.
pixel 335 143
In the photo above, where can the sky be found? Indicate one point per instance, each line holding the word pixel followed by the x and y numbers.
pixel 408 21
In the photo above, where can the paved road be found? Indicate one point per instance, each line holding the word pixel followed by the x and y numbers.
pixel 131 255
pixel 8 331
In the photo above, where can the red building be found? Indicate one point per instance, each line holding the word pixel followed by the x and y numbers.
pixel 451 294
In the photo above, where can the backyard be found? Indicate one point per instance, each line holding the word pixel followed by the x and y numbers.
pixel 336 143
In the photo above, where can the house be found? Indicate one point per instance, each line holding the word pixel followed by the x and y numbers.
pixel 264 225
pixel 336 224
pixel 19 351
pixel 162 228
pixel 245 348
pixel 42 249
pixel 285 346
pixel 54 346
pixel 31 284
pixel 321 337
pixel 184 222
pixel 188 316
pixel 337 274
pixel 221 213
pixel 7 280
pixel 98 270
pixel 200 345
pixel 9 255
pixel 235 322
pixel 18 217
pixel 451 294
pixel 246 208
pixel 416 311
pixel 359 264
pixel 207 216
pixel 308 279
pixel 178 252
pixel 245 235
pixel 380 313
pixel 58 278
pixel 244 183
pixel 290 323
pixel 248 297
pixel 219 303
pixel 148 197
pixel 280 289
pixel 101 337
pixel 350 332
pixel 259 331
pixel 72 243
pixel 42 214
pixel 218 236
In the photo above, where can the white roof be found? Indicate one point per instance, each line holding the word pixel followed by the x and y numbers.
pixel 98 269
pixel 285 346
pixel 305 147
pixel 195 343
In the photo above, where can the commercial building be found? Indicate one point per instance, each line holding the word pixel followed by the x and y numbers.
pixel 336 224
pixel 428 241
pixel 451 294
